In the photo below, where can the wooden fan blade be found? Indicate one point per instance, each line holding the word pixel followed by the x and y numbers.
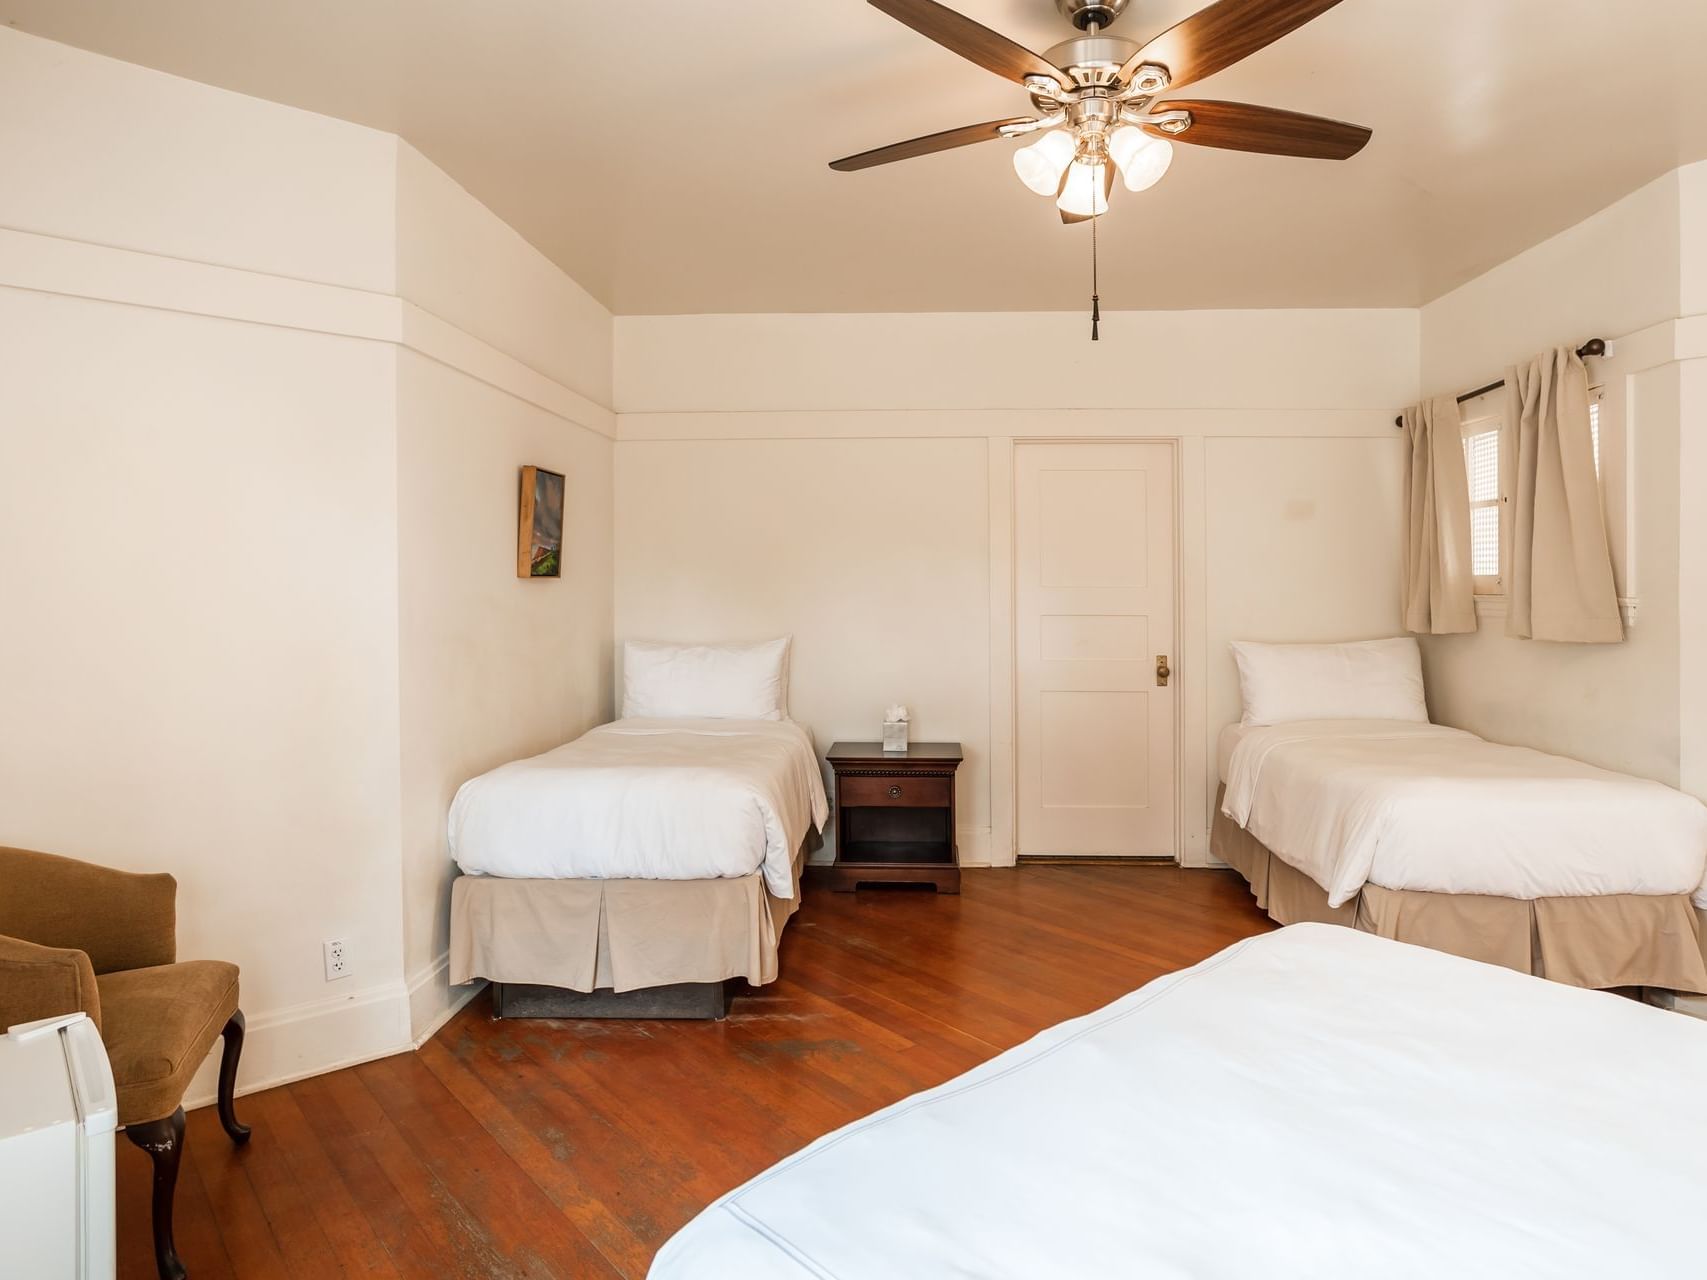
pixel 972 41
pixel 1237 126
pixel 1221 35
pixel 947 140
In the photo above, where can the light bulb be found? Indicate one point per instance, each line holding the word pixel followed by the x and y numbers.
pixel 1041 164
pixel 1085 195
pixel 1141 159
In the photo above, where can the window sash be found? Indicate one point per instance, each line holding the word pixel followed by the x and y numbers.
pixel 1484 461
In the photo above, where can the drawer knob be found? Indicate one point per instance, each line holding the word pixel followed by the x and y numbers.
pixel 895 793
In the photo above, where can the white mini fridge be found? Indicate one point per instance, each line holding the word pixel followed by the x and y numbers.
pixel 58 1113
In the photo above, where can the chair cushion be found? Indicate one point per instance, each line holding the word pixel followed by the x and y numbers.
pixel 158 1025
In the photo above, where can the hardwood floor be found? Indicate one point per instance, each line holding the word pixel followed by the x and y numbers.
pixel 523 1150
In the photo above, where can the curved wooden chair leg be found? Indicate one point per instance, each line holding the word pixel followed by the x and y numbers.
pixel 163 1140
pixel 233 1033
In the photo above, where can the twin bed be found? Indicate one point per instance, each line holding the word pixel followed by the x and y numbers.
pixel 639 869
pixel 1377 819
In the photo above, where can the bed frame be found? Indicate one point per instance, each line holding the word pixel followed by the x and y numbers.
pixel 701 1000
pixel 561 948
pixel 1606 943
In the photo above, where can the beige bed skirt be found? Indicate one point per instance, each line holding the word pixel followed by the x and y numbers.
pixel 1618 940
pixel 620 934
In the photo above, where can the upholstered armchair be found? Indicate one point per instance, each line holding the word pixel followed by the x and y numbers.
pixel 74 936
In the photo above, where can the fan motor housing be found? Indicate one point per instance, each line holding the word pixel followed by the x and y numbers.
pixel 1084 14
pixel 1092 59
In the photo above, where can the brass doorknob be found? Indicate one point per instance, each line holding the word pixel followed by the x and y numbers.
pixel 1162 670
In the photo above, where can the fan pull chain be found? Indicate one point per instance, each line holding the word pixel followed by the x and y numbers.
pixel 1096 302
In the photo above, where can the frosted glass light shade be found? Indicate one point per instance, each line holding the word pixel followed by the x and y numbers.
pixel 1141 159
pixel 1041 164
pixel 1084 194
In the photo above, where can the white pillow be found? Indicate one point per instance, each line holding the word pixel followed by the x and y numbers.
pixel 1368 680
pixel 725 681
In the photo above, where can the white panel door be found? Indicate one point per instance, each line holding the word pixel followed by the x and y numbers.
pixel 1094 615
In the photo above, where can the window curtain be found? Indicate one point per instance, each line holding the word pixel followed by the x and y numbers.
pixel 1439 585
pixel 1561 566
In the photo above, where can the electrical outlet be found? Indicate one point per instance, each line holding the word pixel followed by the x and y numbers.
pixel 337 959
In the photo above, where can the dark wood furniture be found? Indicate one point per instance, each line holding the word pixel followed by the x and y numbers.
pixel 895 815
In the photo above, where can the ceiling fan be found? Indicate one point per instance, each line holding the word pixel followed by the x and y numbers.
pixel 1096 97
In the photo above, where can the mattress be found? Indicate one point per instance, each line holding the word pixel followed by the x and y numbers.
pixel 1424 807
pixel 648 799
pixel 1226 744
pixel 1316 1102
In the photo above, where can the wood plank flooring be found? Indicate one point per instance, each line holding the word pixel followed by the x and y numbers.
pixel 525 1150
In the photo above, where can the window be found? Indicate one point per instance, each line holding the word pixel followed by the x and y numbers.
pixel 1594 397
pixel 1482 466
pixel 1485 454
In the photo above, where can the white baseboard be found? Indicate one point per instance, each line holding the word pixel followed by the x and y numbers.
pixel 308 1039
pixel 974 846
pixel 434 1002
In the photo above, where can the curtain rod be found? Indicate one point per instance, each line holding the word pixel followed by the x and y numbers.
pixel 1593 347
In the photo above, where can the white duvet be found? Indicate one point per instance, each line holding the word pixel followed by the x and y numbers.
pixel 1421 806
pixel 648 800
pixel 1316 1102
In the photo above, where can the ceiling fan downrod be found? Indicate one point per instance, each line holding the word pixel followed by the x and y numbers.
pixel 1091 15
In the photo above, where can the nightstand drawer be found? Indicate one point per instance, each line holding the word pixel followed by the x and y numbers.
pixel 895 792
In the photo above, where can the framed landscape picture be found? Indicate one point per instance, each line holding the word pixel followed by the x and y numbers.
pixel 539 530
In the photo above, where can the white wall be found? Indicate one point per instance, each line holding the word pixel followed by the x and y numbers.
pixel 122 156
pixel 1302 545
pixel 1618 275
pixel 1689 344
pixel 873 554
pixel 198 516
pixel 849 479
pixel 460 262
pixel 493 667
pixel 257 511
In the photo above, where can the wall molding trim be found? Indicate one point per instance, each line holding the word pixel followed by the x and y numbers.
pixel 916 424
pixel 1668 342
pixel 283 1045
pixel 49 264
pixel 433 1001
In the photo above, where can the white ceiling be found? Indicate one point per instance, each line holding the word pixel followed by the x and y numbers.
pixel 671 155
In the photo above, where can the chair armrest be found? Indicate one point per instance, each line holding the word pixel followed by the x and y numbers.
pixel 119 919
pixel 44 982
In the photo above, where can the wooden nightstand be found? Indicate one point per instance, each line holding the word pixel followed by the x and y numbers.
pixel 895 815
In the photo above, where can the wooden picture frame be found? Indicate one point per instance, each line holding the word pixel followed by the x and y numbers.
pixel 539 524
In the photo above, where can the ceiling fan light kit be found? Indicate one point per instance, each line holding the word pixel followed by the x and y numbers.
pixel 1084 190
pixel 1141 159
pixel 1042 165
pixel 1095 97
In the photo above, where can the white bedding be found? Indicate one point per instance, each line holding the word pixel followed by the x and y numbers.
pixel 647 800
pixel 1420 806
pixel 1225 746
pixel 1316 1102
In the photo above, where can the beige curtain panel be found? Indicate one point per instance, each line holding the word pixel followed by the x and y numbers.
pixel 1439 585
pixel 1561 566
